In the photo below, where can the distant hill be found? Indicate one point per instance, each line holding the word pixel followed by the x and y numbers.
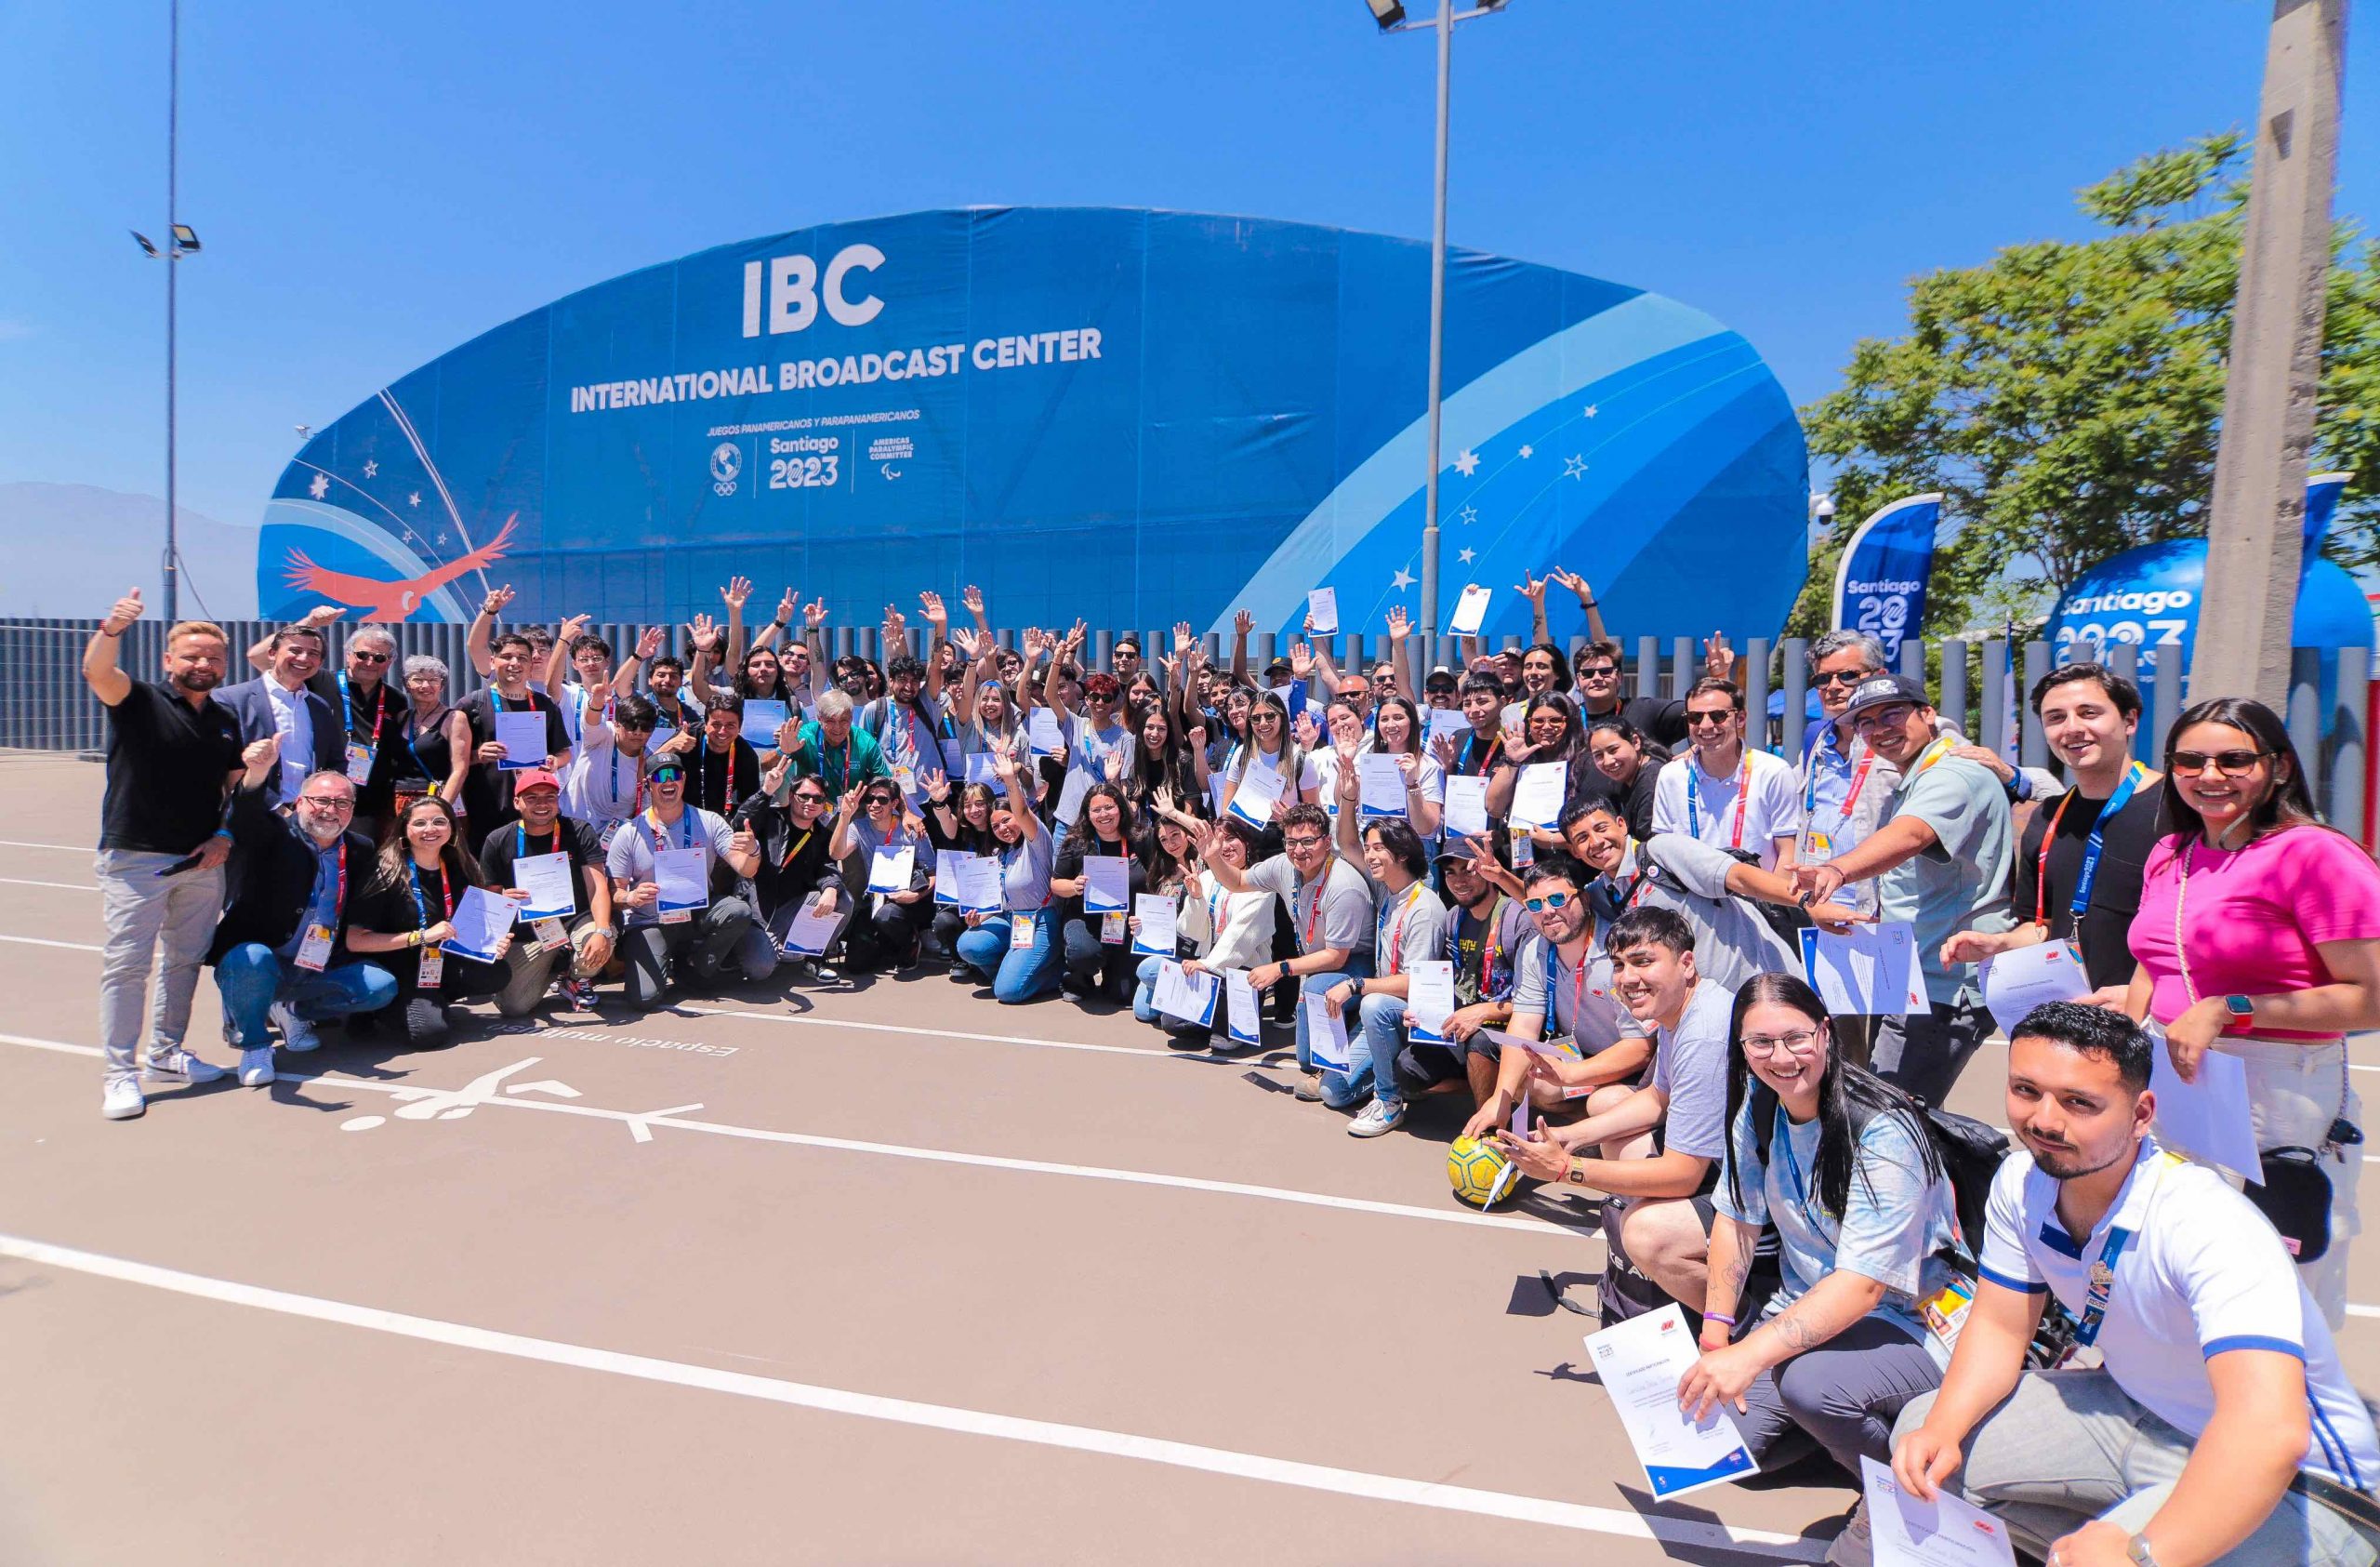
pixel 71 548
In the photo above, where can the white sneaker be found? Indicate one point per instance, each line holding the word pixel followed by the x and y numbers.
pixel 181 1065
pixel 298 1036
pixel 121 1100
pixel 255 1067
pixel 1854 1546
pixel 1377 1119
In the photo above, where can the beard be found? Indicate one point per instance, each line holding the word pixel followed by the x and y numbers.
pixel 197 680
pixel 2064 1163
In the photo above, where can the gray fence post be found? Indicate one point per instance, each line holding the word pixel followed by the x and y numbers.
pixel 1681 666
pixel 1912 660
pixel 1266 650
pixel 1648 666
pixel 2032 750
pixel 2349 746
pixel 1995 696
pixel 1797 693
pixel 2164 704
pixel 2304 716
pixel 1102 650
pixel 1755 668
pixel 1954 703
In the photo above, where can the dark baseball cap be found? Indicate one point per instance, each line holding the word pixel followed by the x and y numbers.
pixel 1883 691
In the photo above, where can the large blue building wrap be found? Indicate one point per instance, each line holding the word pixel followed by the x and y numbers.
pixel 1133 416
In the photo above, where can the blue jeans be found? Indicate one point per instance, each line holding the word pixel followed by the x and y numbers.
pixel 1144 1004
pixel 1358 965
pixel 252 976
pixel 1372 1053
pixel 1020 975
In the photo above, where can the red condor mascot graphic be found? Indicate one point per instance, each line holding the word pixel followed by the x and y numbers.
pixel 393 601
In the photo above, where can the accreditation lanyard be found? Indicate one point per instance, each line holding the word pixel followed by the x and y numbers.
pixel 1393 942
pixel 1470 743
pixel 1313 915
pixel 1218 909
pixel 2093 846
pixel 338 890
pixel 1490 945
pixel 421 899
pixel 1782 1140
pixel 727 796
pixel 1693 800
pixel 1851 795
pixel 379 708
pixel 661 834
pixel 842 774
pixel 795 848
pixel 1941 747
pixel 520 840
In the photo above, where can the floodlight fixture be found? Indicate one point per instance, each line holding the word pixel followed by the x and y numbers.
pixel 1387 13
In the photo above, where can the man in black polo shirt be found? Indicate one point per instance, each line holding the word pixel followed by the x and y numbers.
pixel 581 939
pixel 2086 849
pixel 172 752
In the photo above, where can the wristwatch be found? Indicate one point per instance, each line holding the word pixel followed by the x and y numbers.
pixel 1357 985
pixel 2137 1550
pixel 2243 1010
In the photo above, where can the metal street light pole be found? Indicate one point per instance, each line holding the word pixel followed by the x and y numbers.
pixel 1443 25
pixel 173 247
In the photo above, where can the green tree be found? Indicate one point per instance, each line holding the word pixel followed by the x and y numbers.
pixel 2066 398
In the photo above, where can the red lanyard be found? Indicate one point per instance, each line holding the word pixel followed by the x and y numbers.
pixel 1487 945
pixel 1743 798
pixel 1314 919
pixel 727 803
pixel 1397 937
pixel 2041 861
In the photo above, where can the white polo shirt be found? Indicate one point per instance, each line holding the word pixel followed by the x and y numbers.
pixel 1751 808
pixel 2199 1271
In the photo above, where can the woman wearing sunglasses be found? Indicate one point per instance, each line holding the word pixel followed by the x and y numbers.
pixel 2258 935
pixel 1873 1286
pixel 891 933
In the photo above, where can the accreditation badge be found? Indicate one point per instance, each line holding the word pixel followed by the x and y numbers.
pixel 314 953
pixel 433 968
pixel 1021 932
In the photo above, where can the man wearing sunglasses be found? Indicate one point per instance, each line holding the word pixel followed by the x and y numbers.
pixel 1597 673
pixel 1725 792
pixel 1941 860
pixel 1846 786
pixel 378 715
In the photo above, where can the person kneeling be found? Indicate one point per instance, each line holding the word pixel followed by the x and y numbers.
pixel 1408 926
pixel 661 864
pixel 2220 1426
pixel 406 913
pixel 585 933
pixel 794 844
pixel 1872 1289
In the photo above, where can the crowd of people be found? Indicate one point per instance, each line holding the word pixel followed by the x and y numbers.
pixel 1574 916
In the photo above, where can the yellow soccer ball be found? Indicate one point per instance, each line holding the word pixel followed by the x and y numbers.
pixel 1481 1174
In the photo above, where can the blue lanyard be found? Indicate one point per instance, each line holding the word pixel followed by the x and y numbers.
pixel 421 899
pixel 520 840
pixel 1782 1139
pixel 2095 845
pixel 2102 1288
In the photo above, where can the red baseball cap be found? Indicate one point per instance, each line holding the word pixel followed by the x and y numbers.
pixel 536 777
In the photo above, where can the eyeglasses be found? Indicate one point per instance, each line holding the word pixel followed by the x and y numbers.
pixel 1714 720
pixel 2230 763
pixel 1839 677
pixel 1303 842
pixel 1801 1041
pixel 1883 718
pixel 1551 900
pixel 328 802
pixel 363 658
pixel 1599 671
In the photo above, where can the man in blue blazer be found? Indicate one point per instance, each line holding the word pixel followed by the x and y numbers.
pixel 312 737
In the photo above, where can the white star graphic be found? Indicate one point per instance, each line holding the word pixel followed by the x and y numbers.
pixel 1467 516
pixel 1575 466
pixel 372 470
pixel 414 500
pixel 1467 556
pixel 321 487
pixel 1591 410
pixel 1403 578
pixel 1528 452
pixel 1466 463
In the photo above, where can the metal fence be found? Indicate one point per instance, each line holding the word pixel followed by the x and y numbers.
pixel 45 706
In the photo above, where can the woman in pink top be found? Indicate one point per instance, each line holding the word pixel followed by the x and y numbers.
pixel 2259 935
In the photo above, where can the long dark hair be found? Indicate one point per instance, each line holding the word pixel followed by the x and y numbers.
pixel 744 685
pixel 1289 764
pixel 1171 768
pixel 1850 1097
pixel 971 839
pixel 1417 737
pixel 1159 865
pixel 1084 838
pixel 396 856
pixel 1571 744
pixel 2287 804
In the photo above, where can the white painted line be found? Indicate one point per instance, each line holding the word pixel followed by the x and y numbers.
pixel 62 886
pixel 62 848
pixel 423 1104
pixel 1155 1052
pixel 941 1417
pixel 62 946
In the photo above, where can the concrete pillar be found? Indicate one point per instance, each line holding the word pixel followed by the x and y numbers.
pixel 2257 522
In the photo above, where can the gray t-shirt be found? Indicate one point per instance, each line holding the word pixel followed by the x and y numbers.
pixel 1345 918
pixel 1411 925
pixel 1025 872
pixel 1959 882
pixel 1895 1226
pixel 631 856
pixel 1581 1009
pixel 1690 1065
pixel 869 840
pixel 1732 942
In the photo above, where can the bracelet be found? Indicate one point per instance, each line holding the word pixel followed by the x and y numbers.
pixel 110 635
pixel 1718 1317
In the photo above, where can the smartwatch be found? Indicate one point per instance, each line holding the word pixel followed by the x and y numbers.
pixel 2243 1010
pixel 2137 1550
pixel 1357 985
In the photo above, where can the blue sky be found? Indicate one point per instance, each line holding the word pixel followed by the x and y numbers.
pixel 374 184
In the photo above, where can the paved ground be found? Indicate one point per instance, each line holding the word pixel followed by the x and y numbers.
pixel 885 1275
